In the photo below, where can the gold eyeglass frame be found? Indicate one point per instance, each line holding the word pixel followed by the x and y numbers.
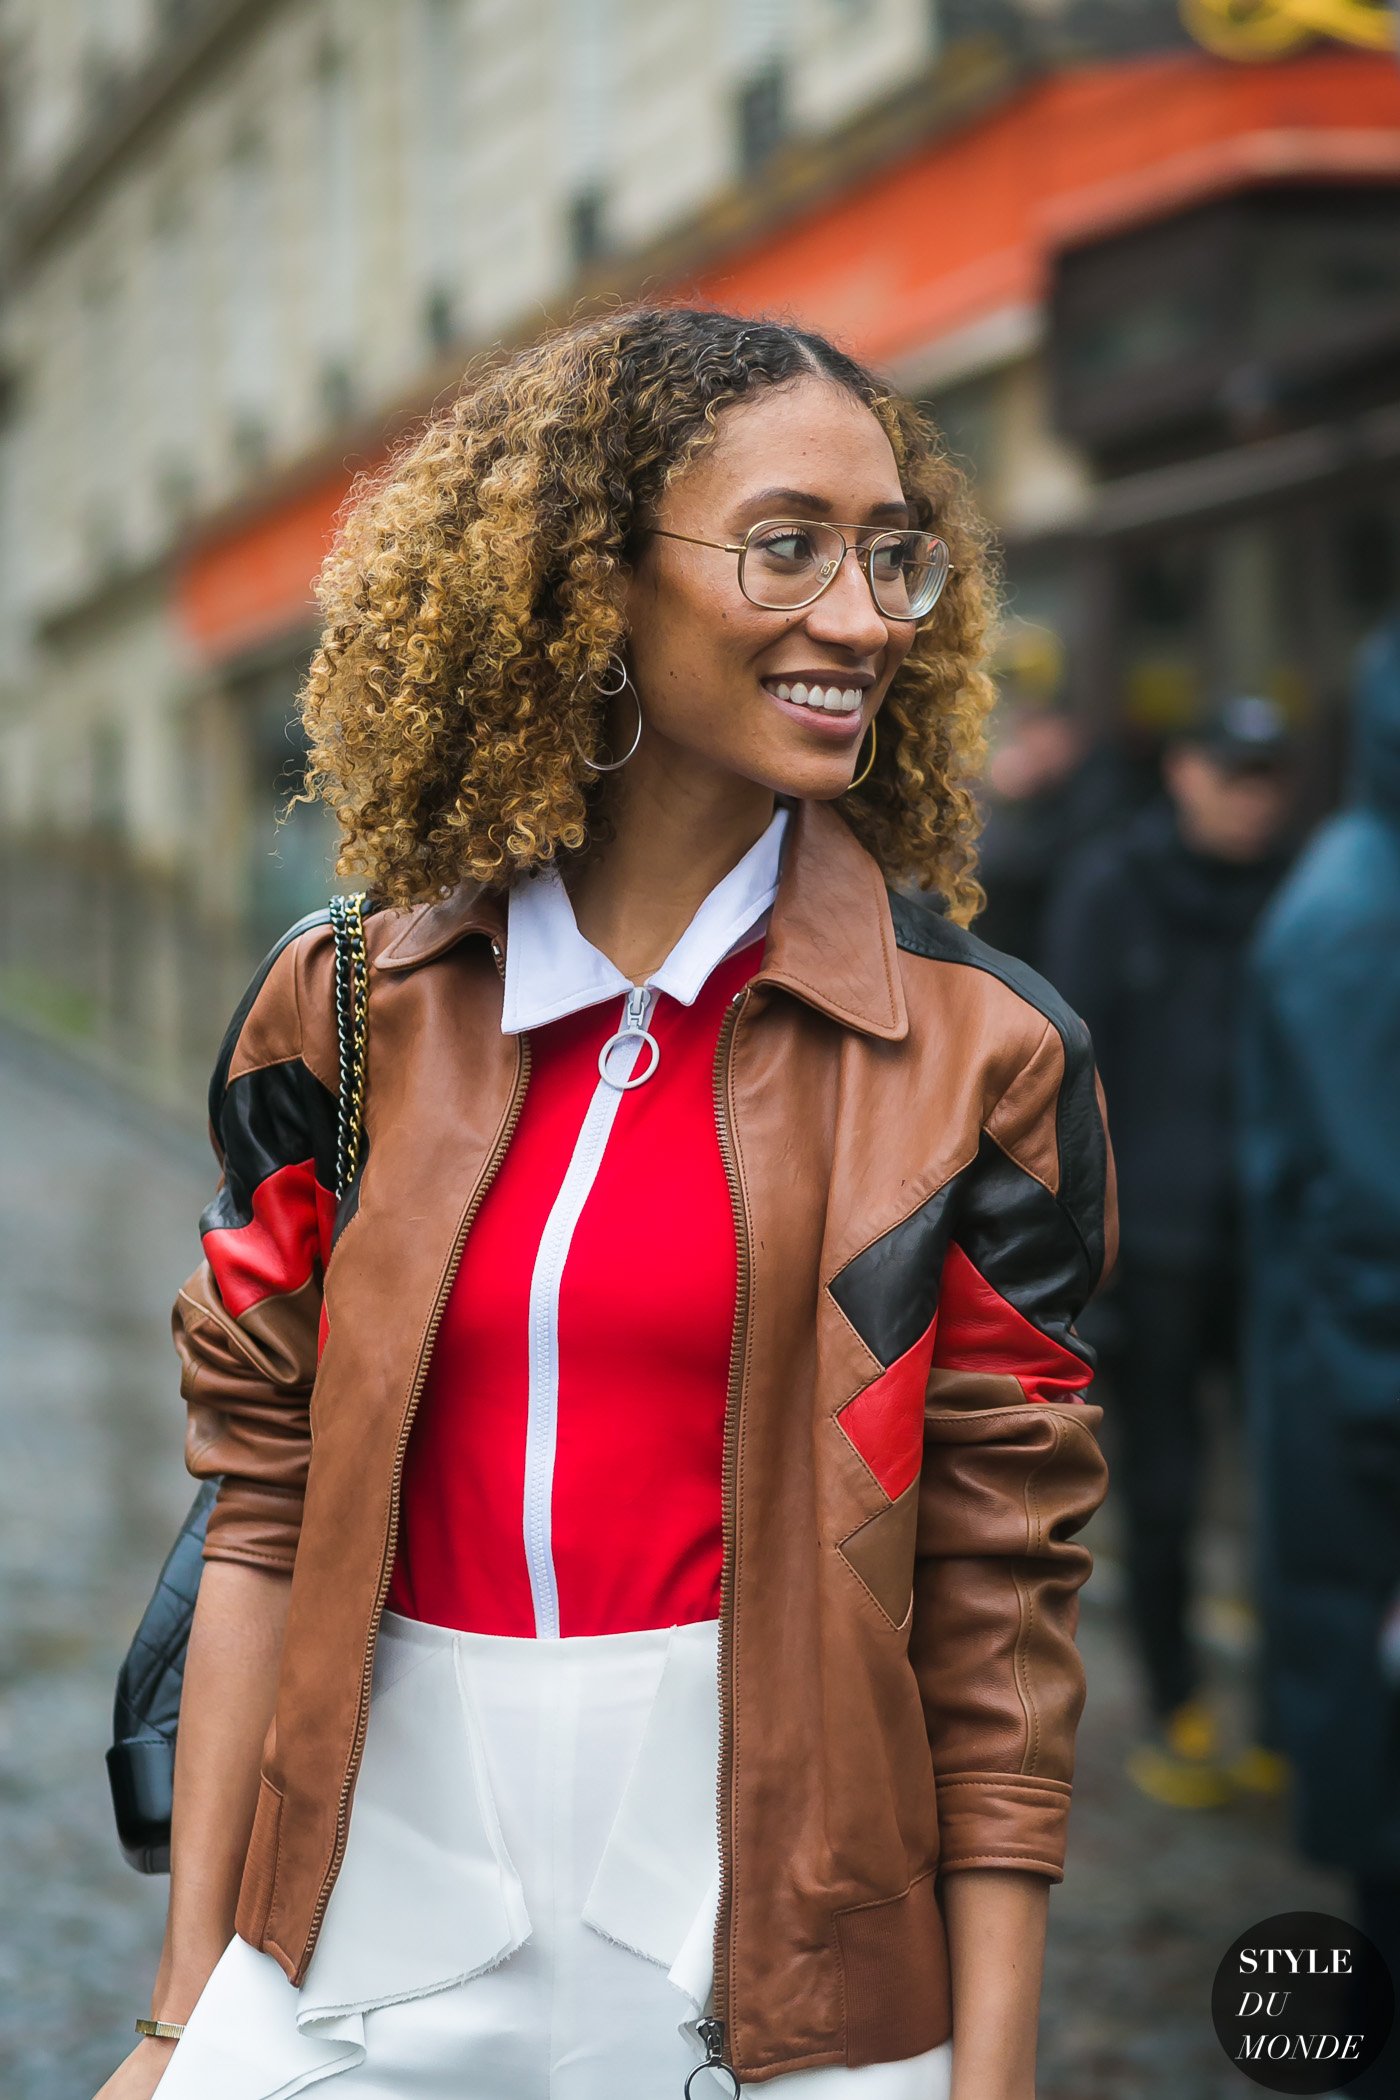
pixel 840 528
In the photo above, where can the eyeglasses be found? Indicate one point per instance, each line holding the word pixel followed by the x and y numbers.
pixel 786 563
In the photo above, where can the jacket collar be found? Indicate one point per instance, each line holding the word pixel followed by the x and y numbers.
pixel 830 936
pixel 552 970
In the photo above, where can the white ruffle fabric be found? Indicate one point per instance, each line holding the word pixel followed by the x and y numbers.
pixel 526 1906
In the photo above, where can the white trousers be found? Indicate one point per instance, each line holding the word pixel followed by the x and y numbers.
pixel 526 1906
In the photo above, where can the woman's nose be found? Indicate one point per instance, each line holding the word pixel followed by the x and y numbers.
pixel 846 614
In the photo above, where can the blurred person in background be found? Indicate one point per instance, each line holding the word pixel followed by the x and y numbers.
pixel 1146 937
pixel 1321 1148
pixel 1049 787
pixel 643 1476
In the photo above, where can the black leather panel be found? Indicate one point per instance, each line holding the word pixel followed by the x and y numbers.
pixel 1042 1253
pixel 276 1115
pixel 1025 1244
pixel 889 1291
pixel 270 1118
pixel 218 1082
pixel 1083 1149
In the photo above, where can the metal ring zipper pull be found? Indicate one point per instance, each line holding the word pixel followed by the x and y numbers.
pixel 633 1030
pixel 711 2033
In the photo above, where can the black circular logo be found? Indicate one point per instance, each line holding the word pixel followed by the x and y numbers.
pixel 1302 2003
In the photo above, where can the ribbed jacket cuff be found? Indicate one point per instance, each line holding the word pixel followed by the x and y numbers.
pixel 254 1523
pixel 1003 1819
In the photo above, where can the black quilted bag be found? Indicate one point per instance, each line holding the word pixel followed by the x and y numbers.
pixel 141 1761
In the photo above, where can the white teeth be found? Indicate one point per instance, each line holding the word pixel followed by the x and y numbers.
pixel 830 699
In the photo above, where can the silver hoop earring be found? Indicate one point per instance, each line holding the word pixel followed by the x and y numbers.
pixel 622 681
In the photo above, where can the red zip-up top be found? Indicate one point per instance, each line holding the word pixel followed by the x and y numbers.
pixel 563 1475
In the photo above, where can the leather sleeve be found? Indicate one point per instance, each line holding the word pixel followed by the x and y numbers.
pixel 1012 1468
pixel 248 1322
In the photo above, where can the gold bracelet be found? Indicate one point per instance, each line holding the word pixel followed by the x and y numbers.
pixel 161 2030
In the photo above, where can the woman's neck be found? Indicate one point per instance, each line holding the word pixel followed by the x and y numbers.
pixel 672 842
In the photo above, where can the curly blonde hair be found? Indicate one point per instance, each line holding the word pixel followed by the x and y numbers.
pixel 476 590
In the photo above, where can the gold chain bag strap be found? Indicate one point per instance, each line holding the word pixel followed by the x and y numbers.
pixel 141 1761
pixel 352 1029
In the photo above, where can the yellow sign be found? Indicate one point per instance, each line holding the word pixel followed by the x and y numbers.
pixel 1265 29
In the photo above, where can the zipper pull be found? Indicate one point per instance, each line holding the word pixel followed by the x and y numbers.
pixel 711 2033
pixel 636 1011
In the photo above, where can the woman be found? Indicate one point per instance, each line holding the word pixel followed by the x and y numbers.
pixel 675 1461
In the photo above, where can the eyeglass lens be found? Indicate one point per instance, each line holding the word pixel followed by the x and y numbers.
pixel 788 563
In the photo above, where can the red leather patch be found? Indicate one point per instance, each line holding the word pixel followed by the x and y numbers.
pixel 885 1421
pixel 279 1247
pixel 979 1331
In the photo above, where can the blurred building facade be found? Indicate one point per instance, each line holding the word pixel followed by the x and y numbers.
pixel 1154 297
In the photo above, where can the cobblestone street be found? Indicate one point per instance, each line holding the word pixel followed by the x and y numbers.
pixel 100 1203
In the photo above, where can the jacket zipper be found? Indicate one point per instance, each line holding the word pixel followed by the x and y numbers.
pixel 715 2036
pixel 542 1419
pixel 445 1283
pixel 711 2033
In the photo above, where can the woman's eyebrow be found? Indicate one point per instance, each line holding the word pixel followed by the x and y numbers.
pixel 804 500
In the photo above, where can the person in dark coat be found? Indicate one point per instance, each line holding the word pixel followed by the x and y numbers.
pixel 1146 938
pixel 1321 1155
pixel 1049 789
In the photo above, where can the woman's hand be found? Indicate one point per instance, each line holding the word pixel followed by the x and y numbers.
pixel 138 2075
pixel 225 1706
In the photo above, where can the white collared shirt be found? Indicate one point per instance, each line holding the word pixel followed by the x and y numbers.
pixel 551 970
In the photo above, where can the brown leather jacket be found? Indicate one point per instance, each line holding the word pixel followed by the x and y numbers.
pixel 922 1193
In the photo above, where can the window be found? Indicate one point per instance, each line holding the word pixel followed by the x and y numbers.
pixel 587 235
pixel 107 781
pixel 1365 548
pixel 337 390
pixel 290 866
pixel 174 352
pixel 434 130
pixel 334 172
pixel 13 538
pixel 759 41
pixel 440 324
pixel 587 74
pixel 762 107
pixel 104 419
pixel 249 437
pixel 970 414
pixel 249 334
pixel 1269 303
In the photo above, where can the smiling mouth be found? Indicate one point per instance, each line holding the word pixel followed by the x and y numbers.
pixel 823 699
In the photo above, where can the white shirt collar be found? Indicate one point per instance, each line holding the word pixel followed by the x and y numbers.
pixel 551 970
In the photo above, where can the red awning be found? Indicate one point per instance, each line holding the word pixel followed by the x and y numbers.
pixel 968 224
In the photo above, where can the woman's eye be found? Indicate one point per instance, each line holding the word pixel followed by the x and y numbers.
pixel 791 549
pixel 892 557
